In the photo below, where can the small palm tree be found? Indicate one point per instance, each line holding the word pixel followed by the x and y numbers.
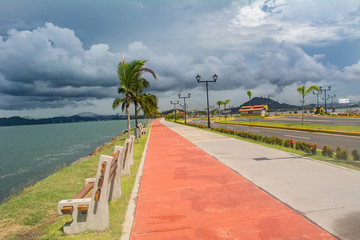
pixel 148 104
pixel 226 102
pixel 303 93
pixel 129 74
pixel 138 92
pixel 219 103
pixel 249 95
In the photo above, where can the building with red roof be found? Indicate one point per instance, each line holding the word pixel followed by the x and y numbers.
pixel 257 110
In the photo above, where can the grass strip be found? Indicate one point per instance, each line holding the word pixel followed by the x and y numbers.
pixel 33 213
pixel 307 127
pixel 350 163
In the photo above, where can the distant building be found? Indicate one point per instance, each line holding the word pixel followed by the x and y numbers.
pixel 257 110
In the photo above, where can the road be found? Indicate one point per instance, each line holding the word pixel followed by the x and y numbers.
pixel 333 140
pixel 309 119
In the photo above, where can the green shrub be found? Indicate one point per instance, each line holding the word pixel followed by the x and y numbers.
pixel 289 143
pixel 278 141
pixel 355 155
pixel 342 154
pixel 327 151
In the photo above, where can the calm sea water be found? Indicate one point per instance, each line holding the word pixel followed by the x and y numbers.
pixel 30 153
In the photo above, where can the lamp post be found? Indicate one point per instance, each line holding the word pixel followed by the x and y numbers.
pixel 317 97
pixel 171 102
pixel 207 93
pixel 179 95
pixel 327 89
pixel 332 102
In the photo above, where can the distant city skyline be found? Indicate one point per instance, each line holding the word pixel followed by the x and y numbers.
pixel 59 58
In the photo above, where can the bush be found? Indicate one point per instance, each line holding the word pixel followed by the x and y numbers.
pixel 342 154
pixel 313 148
pixel 327 151
pixel 278 141
pixel 355 155
pixel 289 143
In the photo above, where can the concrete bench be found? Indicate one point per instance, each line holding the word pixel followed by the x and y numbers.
pixel 127 158
pixel 143 130
pixel 90 207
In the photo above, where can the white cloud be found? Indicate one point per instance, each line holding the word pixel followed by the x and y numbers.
pixel 258 24
pixel 137 45
pixel 352 73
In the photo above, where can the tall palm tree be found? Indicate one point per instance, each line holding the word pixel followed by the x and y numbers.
pixel 303 93
pixel 129 73
pixel 249 95
pixel 219 103
pixel 226 102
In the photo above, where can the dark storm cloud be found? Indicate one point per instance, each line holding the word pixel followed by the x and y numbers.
pixel 49 64
pixel 48 67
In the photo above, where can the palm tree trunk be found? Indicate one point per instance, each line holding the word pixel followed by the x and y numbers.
pixel 302 115
pixel 136 116
pixel 250 113
pixel 128 118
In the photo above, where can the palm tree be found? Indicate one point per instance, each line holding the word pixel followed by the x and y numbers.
pixel 148 104
pixel 138 91
pixel 303 93
pixel 226 102
pixel 249 95
pixel 129 74
pixel 219 103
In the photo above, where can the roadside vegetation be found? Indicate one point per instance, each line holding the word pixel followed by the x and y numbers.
pixel 32 214
pixel 340 156
pixel 299 126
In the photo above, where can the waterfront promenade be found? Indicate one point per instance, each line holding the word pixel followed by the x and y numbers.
pixel 201 185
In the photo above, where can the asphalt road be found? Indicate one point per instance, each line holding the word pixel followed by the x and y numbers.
pixel 309 119
pixel 333 140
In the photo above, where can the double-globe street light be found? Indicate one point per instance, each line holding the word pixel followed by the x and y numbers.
pixel 207 93
pixel 184 103
pixel 177 102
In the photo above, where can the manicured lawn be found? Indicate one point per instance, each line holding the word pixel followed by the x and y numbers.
pixel 33 213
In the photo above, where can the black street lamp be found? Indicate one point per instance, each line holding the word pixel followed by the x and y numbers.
pixel 171 102
pixel 207 93
pixel 332 102
pixel 327 89
pixel 317 97
pixel 184 103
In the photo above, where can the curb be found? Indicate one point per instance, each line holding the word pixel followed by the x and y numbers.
pixel 130 212
pixel 298 129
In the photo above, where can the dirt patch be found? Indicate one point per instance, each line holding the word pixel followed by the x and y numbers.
pixel 7 230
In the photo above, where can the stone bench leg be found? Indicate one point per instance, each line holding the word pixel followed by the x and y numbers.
pixel 115 185
pixel 124 163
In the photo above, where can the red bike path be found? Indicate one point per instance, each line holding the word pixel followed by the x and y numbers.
pixel 187 194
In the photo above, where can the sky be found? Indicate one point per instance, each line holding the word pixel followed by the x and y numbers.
pixel 59 57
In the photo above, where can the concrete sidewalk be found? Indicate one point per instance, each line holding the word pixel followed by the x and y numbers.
pixel 186 193
pixel 326 194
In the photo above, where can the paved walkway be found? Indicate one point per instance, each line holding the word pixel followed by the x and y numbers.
pixel 188 192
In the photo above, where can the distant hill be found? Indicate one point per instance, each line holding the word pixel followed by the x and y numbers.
pixel 270 103
pixel 82 117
